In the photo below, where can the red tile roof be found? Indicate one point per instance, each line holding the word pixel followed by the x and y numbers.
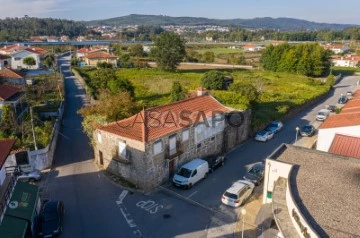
pixel 351 106
pixel 5 148
pixel 10 74
pixel 99 54
pixel 357 94
pixel 83 50
pixel 346 145
pixel 2 57
pixel 164 120
pixel 341 120
pixel 36 50
pixel 7 91
pixel 10 48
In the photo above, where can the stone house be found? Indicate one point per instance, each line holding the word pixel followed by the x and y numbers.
pixel 92 59
pixel 147 148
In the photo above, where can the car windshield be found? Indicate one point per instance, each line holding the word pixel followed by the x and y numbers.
pixel 255 171
pixel 307 128
pixel 321 113
pixel 230 195
pixel 50 216
pixel 184 172
pixel 274 124
pixel 262 133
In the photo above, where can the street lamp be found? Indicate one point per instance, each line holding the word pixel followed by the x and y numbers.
pixel 243 213
pixel 297 132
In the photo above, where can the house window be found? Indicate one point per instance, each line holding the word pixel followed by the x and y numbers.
pixel 99 137
pixel 158 148
pixel 122 149
pixel 17 59
pixel 198 145
pixel 172 144
pixel 185 135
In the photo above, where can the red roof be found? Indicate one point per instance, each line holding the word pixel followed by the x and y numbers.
pixel 83 50
pixel 36 50
pixel 99 54
pixel 357 94
pixel 7 91
pixel 341 120
pixel 2 57
pixel 346 145
pixel 5 148
pixel 351 106
pixel 164 120
pixel 10 74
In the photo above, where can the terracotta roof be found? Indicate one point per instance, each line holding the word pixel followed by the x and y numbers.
pixel 341 120
pixel 346 145
pixel 83 50
pixel 357 94
pixel 249 46
pixel 5 148
pixel 10 48
pixel 99 54
pixel 10 74
pixel 36 50
pixel 7 91
pixel 167 119
pixel 351 106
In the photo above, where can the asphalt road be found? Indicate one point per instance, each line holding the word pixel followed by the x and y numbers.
pixel 96 207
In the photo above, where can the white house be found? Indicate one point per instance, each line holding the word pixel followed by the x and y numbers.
pixel 252 48
pixel 337 49
pixel 348 61
pixel 302 190
pixel 345 123
pixel 17 60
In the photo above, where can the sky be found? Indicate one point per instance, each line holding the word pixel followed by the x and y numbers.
pixel 327 11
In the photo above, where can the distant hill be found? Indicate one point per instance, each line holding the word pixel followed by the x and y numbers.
pixel 283 24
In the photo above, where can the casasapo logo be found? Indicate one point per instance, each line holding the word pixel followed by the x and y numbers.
pixel 153 118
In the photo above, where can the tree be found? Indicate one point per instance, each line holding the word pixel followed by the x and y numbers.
pixel 104 65
pixel 208 57
pixel 137 50
pixel 169 50
pixel 177 92
pixel 8 121
pixel 29 61
pixel 49 61
pixel 121 85
pixel 246 90
pixel 213 80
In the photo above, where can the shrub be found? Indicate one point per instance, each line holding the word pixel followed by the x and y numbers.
pixel 213 80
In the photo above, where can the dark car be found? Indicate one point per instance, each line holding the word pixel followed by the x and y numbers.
pixel 51 219
pixel 308 130
pixel 255 174
pixel 343 99
pixel 331 108
pixel 215 161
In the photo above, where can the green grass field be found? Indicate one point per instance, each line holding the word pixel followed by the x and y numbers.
pixel 280 92
pixel 221 51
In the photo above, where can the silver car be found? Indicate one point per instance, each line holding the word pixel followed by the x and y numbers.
pixel 32 176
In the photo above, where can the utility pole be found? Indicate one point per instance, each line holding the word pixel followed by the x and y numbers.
pixel 32 127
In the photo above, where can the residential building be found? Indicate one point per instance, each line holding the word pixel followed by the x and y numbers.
pixel 37 50
pixel 52 39
pixel 348 61
pixel 81 53
pixel 252 48
pixel 11 76
pixel 347 122
pixel 11 49
pixel 147 148
pixel 93 58
pixel 17 59
pixel 312 193
pixel 5 61
pixel 10 95
pixel 337 49
pixel 346 145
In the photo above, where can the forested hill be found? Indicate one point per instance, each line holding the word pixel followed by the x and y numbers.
pixel 283 24
pixel 19 29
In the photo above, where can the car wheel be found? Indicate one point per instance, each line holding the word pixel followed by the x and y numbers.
pixel 32 180
pixel 222 163
pixel 205 176
pixel 189 186
pixel 211 170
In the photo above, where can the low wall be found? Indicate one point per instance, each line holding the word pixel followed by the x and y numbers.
pixel 83 83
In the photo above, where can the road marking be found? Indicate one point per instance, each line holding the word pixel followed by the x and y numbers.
pixel 149 206
pixel 192 194
pixel 122 196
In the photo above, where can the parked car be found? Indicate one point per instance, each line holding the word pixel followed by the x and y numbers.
pixel 343 99
pixel 349 93
pixel 255 174
pixel 191 173
pixel 32 176
pixel 238 193
pixel 50 221
pixel 322 114
pixel 215 161
pixel 264 136
pixel 331 108
pixel 275 126
pixel 307 130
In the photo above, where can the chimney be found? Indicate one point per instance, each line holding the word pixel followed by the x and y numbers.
pixel 201 91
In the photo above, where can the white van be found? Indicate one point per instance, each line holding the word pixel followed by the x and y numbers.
pixel 191 173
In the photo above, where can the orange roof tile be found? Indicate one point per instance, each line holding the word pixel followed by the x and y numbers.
pixel 99 54
pixel 341 120
pixel 5 148
pixel 166 119
pixel 346 145
pixel 7 91
pixel 351 104
pixel 36 50
pixel 10 74
pixel 357 94
pixel 83 50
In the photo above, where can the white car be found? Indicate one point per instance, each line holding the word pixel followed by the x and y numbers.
pixel 264 136
pixel 322 115
pixel 32 176
pixel 238 193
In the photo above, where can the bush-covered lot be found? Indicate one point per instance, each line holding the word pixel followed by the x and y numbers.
pixel 278 92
